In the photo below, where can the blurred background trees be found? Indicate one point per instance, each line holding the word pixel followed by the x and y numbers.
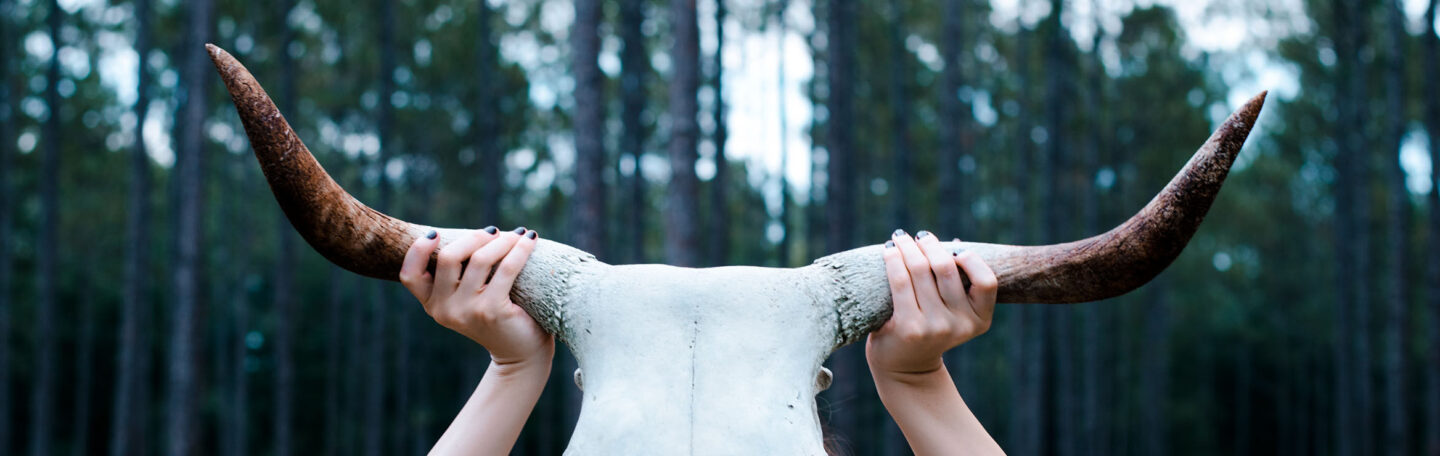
pixel 153 300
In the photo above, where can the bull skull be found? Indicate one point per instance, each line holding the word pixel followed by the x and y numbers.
pixel 720 360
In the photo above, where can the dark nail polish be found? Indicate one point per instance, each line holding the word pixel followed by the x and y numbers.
pixel 889 244
pixel 922 234
pixel 898 233
pixel 532 234
pixel 431 234
pixel 520 230
pixel 491 229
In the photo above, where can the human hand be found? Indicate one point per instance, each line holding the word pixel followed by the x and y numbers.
pixel 460 297
pixel 933 310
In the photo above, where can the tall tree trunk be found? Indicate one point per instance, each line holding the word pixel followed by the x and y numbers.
pixel 42 402
pixel 487 120
pixel 7 145
pixel 719 209
pixel 900 110
pixel 84 370
pixel 183 382
pixel 130 420
pixel 1091 416
pixel 635 66
pixel 375 385
pixel 1024 438
pixel 840 199
pixel 955 118
pixel 682 211
pixel 1432 122
pixel 587 220
pixel 1352 209
pixel 783 247
pixel 334 384
pixel 1053 324
pixel 1155 373
pixel 283 423
pixel 1396 419
pixel 840 191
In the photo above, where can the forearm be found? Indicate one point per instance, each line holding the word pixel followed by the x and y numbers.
pixel 932 415
pixel 491 419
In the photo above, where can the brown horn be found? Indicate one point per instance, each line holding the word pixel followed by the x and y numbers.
pixel 1103 266
pixel 1128 256
pixel 344 230
pixel 361 239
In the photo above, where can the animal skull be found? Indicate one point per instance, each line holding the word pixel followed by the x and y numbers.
pixel 720 360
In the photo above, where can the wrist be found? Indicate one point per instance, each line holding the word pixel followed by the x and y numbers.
pixel 535 365
pixel 912 379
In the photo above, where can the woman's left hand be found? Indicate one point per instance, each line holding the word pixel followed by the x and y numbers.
pixel 933 310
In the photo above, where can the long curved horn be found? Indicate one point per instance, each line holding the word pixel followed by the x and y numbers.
pixel 351 234
pixel 1103 266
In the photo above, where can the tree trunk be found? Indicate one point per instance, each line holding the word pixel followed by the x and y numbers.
pixel 1155 374
pixel 487 121
pixel 587 218
pixel 956 119
pixel 130 420
pixel 284 301
pixel 635 67
pixel 7 145
pixel 719 209
pixel 334 384
pixel 840 193
pixel 1092 417
pixel 682 212
pixel 374 364
pixel 783 247
pixel 183 383
pixel 840 199
pixel 42 401
pixel 1432 122
pixel 1352 209
pixel 1396 418
pixel 1024 431
pixel 900 110
pixel 84 369
pixel 1053 324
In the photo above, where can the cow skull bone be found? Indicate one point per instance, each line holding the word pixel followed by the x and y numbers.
pixel 720 360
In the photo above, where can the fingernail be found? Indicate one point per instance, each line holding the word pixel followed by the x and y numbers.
pixel 957 251
pixel 889 244
pixel 491 229
pixel 520 230
pixel 922 234
pixel 897 233
pixel 532 234
pixel 431 234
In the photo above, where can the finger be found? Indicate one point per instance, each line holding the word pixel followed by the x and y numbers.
pixel 483 261
pixel 412 270
pixel 926 294
pixel 983 283
pixel 947 275
pixel 450 264
pixel 902 293
pixel 510 266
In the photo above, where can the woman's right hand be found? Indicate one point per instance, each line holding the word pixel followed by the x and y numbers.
pixel 467 299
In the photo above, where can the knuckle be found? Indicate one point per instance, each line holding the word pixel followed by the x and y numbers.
pixel 450 257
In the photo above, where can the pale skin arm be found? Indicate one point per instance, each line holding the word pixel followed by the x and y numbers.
pixel 458 297
pixel 933 313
